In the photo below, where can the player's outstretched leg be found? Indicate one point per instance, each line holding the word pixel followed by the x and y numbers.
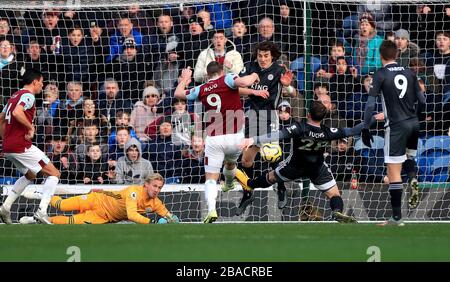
pixel 229 172
pixel 282 196
pixel 337 206
pixel 5 215
pixel 16 191
pixel 248 196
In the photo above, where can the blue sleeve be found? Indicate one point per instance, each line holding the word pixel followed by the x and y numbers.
pixel 229 80
pixel 193 93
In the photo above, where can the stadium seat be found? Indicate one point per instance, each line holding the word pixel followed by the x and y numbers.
pixel 298 66
pixel 437 143
pixel 378 143
pixel 440 169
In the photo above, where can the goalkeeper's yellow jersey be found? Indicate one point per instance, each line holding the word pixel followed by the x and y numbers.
pixel 129 203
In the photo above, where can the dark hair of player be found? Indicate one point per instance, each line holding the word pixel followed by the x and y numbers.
pixel 317 111
pixel 388 50
pixel 213 68
pixel 31 75
pixel 268 46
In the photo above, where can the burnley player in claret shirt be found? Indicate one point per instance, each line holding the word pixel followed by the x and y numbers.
pixel 225 124
pixel 17 131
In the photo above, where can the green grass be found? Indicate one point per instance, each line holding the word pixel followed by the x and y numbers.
pixel 225 242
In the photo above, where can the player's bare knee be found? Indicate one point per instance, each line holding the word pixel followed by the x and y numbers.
pixel 333 192
pixel 30 176
pixel 272 177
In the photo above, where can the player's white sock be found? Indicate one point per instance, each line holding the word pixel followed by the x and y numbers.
pixel 48 191
pixel 229 175
pixel 17 189
pixel 211 194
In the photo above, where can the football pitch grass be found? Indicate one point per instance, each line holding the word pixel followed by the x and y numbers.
pixel 225 242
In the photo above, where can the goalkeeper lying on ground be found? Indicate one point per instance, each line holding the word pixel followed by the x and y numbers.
pixel 98 207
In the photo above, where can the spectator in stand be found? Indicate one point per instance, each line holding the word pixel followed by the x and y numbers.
pixel 164 42
pixel 346 92
pixel 286 120
pixel 44 115
pixel 100 43
pixel 328 63
pixel 130 70
pixel 75 58
pixel 132 168
pixel 93 170
pixel 164 153
pixel 342 160
pixel 112 100
pixel 192 43
pixel 116 150
pixel 241 39
pixel 125 30
pixel 63 158
pixel 36 59
pixel 90 112
pixel 206 17
pixel 407 49
pixel 70 109
pixel 141 18
pixel 46 31
pixel 289 27
pixel 222 51
pixel 122 120
pixel 90 136
pixel 193 162
pixel 221 15
pixel 9 71
pixel 321 93
pixel 421 19
pixel 6 34
pixel 366 46
pixel 185 124
pixel 438 65
pixel 145 111
pixel 266 32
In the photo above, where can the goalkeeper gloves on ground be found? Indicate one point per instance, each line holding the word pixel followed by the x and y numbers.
pixel 366 137
pixel 170 218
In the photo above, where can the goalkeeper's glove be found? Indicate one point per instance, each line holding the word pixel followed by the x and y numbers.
pixel 171 218
pixel 366 137
pixel 162 220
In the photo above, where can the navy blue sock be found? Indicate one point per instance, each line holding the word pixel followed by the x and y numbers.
pixel 248 171
pixel 336 204
pixel 396 190
pixel 410 168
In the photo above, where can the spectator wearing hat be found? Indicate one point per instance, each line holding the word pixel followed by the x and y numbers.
pixel 145 111
pixel 130 70
pixel 192 43
pixel 342 159
pixel 222 51
pixel 124 30
pixel 366 46
pixel 407 49
pixel 286 119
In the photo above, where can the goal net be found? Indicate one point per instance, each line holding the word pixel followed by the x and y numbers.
pixel 111 67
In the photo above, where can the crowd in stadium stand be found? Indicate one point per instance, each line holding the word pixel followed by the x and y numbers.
pixel 110 75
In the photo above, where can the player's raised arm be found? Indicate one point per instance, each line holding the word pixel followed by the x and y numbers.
pixel 183 81
pixel 246 81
